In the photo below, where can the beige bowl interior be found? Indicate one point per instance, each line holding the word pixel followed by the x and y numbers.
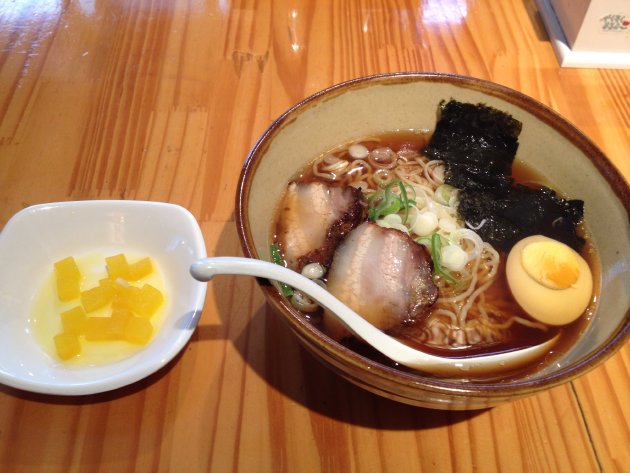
pixel 388 103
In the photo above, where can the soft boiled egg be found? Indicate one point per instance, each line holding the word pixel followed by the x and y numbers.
pixel 549 280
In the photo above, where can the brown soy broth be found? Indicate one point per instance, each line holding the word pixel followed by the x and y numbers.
pixel 396 140
pixel 520 336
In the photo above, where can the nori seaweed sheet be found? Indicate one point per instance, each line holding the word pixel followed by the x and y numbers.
pixel 478 145
pixel 520 212
pixel 477 142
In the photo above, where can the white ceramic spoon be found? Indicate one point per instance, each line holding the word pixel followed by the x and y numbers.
pixel 206 268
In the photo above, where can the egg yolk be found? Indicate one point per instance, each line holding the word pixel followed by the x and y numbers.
pixel 551 264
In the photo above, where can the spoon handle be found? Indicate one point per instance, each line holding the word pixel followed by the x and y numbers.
pixel 205 269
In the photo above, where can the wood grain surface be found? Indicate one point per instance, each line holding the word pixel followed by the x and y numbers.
pixel 162 100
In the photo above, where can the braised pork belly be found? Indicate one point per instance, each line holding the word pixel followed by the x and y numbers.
pixel 382 274
pixel 314 217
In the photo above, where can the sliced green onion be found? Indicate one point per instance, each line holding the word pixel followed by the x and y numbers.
pixel 443 193
pixel 436 254
pixel 404 200
pixel 385 202
pixel 276 257
pixel 424 241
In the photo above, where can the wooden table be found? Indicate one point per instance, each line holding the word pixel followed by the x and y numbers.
pixel 161 100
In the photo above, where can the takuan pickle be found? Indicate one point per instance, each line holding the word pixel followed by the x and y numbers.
pixel 68 279
pixel 130 303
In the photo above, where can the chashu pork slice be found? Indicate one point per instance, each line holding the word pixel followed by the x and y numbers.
pixel 313 219
pixel 383 275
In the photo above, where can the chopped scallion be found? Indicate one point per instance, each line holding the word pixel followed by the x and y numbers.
pixel 276 257
pixel 385 202
pixel 436 255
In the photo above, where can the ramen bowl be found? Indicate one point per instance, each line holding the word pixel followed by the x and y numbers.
pixel 548 144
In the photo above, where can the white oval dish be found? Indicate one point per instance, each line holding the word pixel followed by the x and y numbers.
pixel 37 236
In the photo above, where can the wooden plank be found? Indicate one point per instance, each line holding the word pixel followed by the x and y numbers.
pixel 162 100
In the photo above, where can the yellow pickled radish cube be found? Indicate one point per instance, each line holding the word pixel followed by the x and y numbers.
pixel 108 286
pixel 138 330
pixel 120 286
pixel 125 296
pixel 67 345
pixel 108 328
pixel 149 301
pixel 73 320
pixel 68 279
pixel 95 298
pixel 117 266
pixel 96 329
pixel 67 268
pixel 121 313
pixel 140 269
pixel 117 323
pixel 68 289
